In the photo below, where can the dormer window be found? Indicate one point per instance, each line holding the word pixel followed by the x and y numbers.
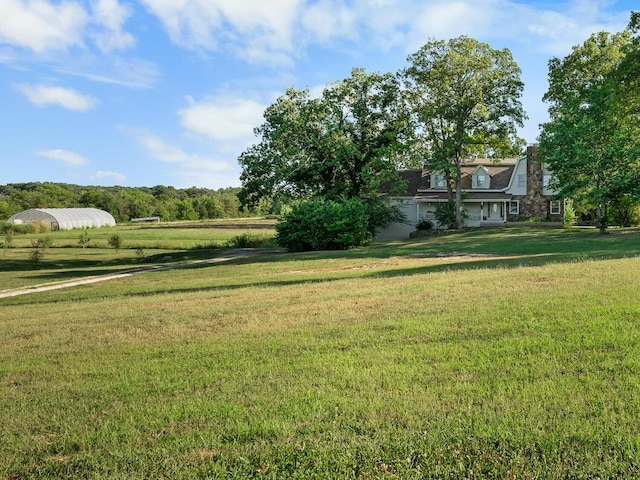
pixel 481 178
pixel 439 181
pixel 481 181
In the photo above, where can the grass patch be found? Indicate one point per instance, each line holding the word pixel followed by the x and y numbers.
pixel 385 362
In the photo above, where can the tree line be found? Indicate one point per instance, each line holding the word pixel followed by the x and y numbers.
pixel 592 141
pixel 124 203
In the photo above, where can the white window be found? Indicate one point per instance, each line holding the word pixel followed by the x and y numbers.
pixel 439 181
pixel 546 179
pixel 514 207
pixel 481 181
pixel 522 180
pixel 555 207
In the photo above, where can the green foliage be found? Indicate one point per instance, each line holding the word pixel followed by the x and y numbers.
pixel 84 239
pixel 17 229
pixel 250 240
pixel 424 224
pixel 592 141
pixel 116 241
pixel 569 219
pixel 445 214
pixel 123 203
pixel 625 213
pixel 38 247
pixel 465 96
pixel 8 240
pixel 344 144
pixel 324 225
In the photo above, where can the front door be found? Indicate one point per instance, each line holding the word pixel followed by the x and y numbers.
pixel 496 212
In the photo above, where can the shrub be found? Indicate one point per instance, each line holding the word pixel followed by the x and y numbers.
pixel 424 224
pixel 13 228
pixel 38 247
pixel 84 239
pixel 324 225
pixel 115 241
pixel 249 240
pixel 625 213
pixel 569 219
pixel 8 240
pixel 446 214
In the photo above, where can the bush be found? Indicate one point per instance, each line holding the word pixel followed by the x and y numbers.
pixel 625 213
pixel 12 228
pixel 38 247
pixel 569 219
pixel 324 225
pixel 115 241
pixel 249 240
pixel 446 214
pixel 424 224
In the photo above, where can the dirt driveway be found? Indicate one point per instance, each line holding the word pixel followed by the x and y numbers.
pixel 223 257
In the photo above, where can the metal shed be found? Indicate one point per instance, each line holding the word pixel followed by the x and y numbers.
pixel 64 218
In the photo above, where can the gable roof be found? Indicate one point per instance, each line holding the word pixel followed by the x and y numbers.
pixel 501 171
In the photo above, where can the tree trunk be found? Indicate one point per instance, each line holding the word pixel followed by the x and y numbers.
pixel 458 205
pixel 602 217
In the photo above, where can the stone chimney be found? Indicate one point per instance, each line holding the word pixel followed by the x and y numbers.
pixel 534 173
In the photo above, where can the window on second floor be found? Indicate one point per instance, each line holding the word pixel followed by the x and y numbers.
pixel 481 180
pixel 522 180
pixel 546 180
pixel 439 181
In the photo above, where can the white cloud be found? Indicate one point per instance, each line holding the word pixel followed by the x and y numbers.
pixel 70 159
pixel 186 169
pixel 115 176
pixel 255 31
pixel 452 19
pixel 162 151
pixel 112 16
pixel 130 73
pixel 326 20
pixel 44 95
pixel 45 26
pixel 40 25
pixel 224 119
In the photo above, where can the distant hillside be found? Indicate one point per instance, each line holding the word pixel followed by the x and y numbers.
pixel 124 203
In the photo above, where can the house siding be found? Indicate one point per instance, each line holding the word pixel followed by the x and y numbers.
pixel 488 206
pixel 537 202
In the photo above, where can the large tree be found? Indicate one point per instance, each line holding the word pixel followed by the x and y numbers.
pixel 343 144
pixel 465 97
pixel 592 140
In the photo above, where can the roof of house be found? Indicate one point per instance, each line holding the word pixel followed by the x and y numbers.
pixel 500 171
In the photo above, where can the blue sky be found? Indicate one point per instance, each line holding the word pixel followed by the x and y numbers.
pixel 167 92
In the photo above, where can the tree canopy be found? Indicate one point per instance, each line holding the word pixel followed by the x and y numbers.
pixel 465 99
pixel 592 141
pixel 123 203
pixel 344 143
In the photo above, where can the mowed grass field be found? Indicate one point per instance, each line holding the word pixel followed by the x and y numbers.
pixel 497 353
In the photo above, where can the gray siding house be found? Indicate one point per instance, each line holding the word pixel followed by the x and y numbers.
pixel 494 192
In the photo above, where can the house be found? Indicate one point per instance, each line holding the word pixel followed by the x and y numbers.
pixel 494 192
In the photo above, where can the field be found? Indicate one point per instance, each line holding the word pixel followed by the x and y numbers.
pixel 496 353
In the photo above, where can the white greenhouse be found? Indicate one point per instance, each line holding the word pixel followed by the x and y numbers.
pixel 64 218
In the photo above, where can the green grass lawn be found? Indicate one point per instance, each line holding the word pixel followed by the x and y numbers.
pixel 143 244
pixel 400 360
